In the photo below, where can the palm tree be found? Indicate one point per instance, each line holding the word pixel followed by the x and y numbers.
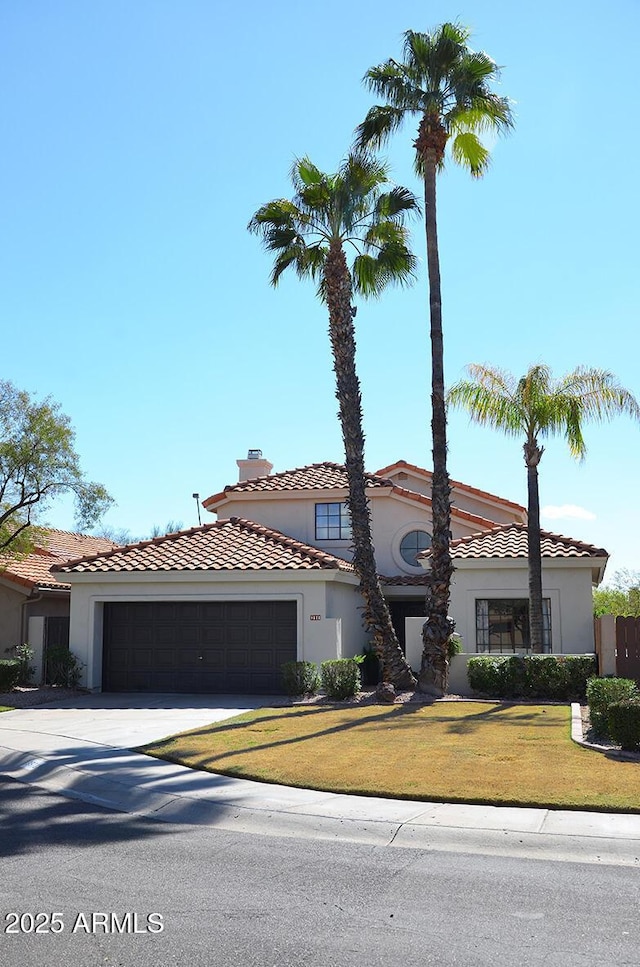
pixel 536 406
pixel 447 86
pixel 310 233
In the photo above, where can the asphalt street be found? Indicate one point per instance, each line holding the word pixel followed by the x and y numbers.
pixel 225 898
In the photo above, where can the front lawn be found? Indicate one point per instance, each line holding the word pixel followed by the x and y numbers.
pixel 477 752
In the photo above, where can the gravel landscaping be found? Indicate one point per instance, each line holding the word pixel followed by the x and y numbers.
pixel 29 696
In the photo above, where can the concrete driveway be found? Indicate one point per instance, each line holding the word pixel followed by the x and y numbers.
pixel 124 721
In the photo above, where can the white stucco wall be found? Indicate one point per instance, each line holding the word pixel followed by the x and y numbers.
pixel 318 639
pixel 568 585
pixel 345 600
pixel 392 517
pixel 463 499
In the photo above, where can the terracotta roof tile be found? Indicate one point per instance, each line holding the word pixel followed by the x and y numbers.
pixel 226 545
pixel 34 570
pixel 510 541
pixel 418 580
pixel 315 476
pixel 403 465
pixel 327 476
pixel 484 522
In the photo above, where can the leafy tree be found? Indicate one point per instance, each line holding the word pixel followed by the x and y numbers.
pixel 447 86
pixel 38 463
pixel 169 528
pixel 356 208
pixel 533 407
pixel 622 599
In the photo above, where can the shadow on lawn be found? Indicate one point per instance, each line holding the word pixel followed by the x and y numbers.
pixel 398 717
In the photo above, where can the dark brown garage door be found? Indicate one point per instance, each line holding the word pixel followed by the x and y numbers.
pixel 182 646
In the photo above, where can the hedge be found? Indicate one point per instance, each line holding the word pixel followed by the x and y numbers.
pixel 624 723
pixel 550 677
pixel 602 693
pixel 10 669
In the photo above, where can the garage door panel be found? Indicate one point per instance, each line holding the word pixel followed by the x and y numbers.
pixel 221 646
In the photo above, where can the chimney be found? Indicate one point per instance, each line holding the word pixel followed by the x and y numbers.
pixel 254 466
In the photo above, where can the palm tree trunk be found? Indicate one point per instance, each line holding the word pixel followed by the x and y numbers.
pixel 341 331
pixel 434 672
pixel 532 454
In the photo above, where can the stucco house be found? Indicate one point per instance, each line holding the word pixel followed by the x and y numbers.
pixel 221 606
pixel 34 602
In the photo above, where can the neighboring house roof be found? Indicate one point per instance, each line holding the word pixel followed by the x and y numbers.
pixel 510 541
pixel 403 465
pixel 326 476
pixel 33 571
pixel 226 545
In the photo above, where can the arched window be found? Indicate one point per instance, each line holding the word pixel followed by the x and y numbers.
pixel 411 545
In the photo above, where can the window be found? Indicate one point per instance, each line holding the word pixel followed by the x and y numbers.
pixel 411 545
pixel 332 522
pixel 502 625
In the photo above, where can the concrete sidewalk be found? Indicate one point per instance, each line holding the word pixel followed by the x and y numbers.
pixel 81 749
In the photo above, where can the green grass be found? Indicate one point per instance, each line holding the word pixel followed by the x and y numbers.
pixel 6 708
pixel 449 752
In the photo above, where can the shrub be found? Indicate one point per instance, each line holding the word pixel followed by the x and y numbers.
pixel 300 677
pixel 63 668
pixel 454 645
pixel 9 674
pixel 550 677
pixel 497 675
pixel 24 654
pixel 579 669
pixel 341 677
pixel 601 694
pixel 624 723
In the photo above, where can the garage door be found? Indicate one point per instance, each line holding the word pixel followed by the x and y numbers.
pixel 216 646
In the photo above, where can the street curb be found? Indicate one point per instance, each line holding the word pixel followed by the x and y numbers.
pixel 577 736
pixel 537 833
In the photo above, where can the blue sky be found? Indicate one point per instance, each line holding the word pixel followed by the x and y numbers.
pixel 138 140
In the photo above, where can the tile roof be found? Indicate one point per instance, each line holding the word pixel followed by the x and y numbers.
pixel 55 546
pixel 418 580
pixel 226 545
pixel 315 476
pixel 328 476
pixel 403 465
pixel 510 541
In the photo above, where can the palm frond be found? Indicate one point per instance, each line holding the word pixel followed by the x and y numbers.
pixel 468 151
pixel 441 76
pixel 397 201
pixel 537 405
pixel 378 126
pixel 488 407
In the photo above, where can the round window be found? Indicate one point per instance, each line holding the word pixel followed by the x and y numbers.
pixel 411 545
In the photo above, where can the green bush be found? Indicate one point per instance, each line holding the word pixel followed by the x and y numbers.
pixel 579 669
pixel 496 675
pixel 548 677
pixel 23 654
pixel 624 723
pixel 9 674
pixel 63 668
pixel 341 677
pixel 601 694
pixel 300 677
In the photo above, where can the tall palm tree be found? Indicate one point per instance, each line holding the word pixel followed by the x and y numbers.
pixel 310 233
pixel 447 87
pixel 536 406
